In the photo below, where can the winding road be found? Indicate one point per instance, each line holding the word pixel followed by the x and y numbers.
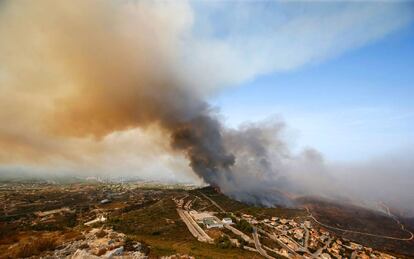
pixel 365 233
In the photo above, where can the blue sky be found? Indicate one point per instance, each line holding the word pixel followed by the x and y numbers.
pixel 355 106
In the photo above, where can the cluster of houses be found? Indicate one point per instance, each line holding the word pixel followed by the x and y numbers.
pixel 307 240
pixel 292 238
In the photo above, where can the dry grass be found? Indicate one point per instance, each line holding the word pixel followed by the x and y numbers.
pixel 214 233
pixel 33 247
pixel 26 244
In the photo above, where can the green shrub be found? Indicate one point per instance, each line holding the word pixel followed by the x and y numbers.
pixel 223 242
pixel 244 226
pixel 242 242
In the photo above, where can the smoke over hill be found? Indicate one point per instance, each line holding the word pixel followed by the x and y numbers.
pixel 81 81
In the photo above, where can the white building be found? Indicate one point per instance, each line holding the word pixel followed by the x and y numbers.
pixel 227 221
pixel 199 216
pixel 212 223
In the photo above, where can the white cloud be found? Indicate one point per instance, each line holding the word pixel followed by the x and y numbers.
pixel 234 42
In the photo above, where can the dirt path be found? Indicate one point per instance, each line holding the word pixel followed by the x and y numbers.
pixel 213 202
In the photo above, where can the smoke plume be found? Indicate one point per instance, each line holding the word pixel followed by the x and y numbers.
pixel 97 68
pixel 122 86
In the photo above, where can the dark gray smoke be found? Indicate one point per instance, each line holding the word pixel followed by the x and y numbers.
pixel 249 163
pixel 202 141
